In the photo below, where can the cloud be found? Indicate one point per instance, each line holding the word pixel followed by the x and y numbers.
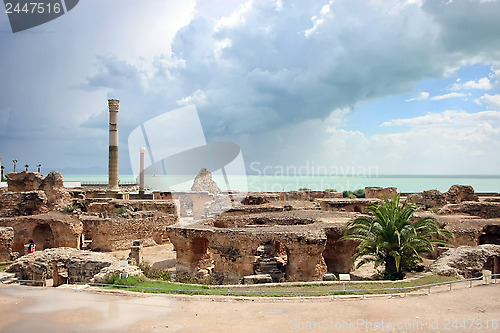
pixel 449 118
pixel 253 68
pixel 483 83
pixel 446 96
pixel 491 100
pixel 421 96
pixel 438 143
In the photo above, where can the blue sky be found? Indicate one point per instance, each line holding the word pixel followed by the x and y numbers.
pixel 407 87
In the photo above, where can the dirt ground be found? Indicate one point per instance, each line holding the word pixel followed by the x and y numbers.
pixel 31 309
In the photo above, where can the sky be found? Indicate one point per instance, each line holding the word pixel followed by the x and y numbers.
pixel 400 87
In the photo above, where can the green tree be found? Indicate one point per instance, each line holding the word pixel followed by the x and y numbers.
pixel 1 177
pixel 387 236
pixel 26 166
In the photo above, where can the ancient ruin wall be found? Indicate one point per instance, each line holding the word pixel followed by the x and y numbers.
pixel 53 229
pixel 6 240
pixel 118 233
pixel 233 252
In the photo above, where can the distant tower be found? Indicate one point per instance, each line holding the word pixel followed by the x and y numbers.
pixel 113 105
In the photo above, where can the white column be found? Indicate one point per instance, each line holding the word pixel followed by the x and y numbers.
pixel 141 174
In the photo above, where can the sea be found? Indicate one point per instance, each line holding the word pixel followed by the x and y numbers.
pixel 273 183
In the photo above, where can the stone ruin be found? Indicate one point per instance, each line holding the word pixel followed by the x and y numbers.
pixel 380 192
pixel 204 182
pixel 33 206
pixel 273 236
pixel 468 261
pixel 436 199
pixel 69 265
pixel 6 239
pixel 293 237
pixel 292 245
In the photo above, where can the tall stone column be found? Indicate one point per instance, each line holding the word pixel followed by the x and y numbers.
pixel 113 105
pixel 141 170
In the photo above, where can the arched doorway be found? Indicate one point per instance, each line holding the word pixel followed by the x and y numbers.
pixel 43 237
pixel 271 258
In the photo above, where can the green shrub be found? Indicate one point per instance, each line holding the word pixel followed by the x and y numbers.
pixel 330 190
pixel 130 281
pixel 155 273
pixel 119 210
pixel 360 193
pixel 71 208
pixel 304 189
pixel 191 279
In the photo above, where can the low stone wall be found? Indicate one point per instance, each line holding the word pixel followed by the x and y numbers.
pixel 118 233
pixel 6 240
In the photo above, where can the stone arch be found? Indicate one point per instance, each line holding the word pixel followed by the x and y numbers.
pixel 271 257
pixel 43 236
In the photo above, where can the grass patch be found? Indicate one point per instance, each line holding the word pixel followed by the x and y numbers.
pixel 142 284
pixel 3 266
pixel 296 290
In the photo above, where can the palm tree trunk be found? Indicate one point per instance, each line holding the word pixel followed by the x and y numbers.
pixel 391 270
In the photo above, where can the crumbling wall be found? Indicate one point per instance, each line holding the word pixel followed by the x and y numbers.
pixel 53 186
pixel 81 265
pixel 428 199
pixel 24 181
pixel 347 205
pixel 232 254
pixel 458 193
pixel 465 261
pixel 53 229
pixel 380 192
pixel 23 203
pixel 487 210
pixel 338 253
pixel 6 240
pixel 118 233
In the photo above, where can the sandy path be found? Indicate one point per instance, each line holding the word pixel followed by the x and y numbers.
pixel 25 309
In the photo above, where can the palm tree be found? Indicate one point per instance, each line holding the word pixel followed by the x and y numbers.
pixel 26 166
pixel 388 237
pixel 15 162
